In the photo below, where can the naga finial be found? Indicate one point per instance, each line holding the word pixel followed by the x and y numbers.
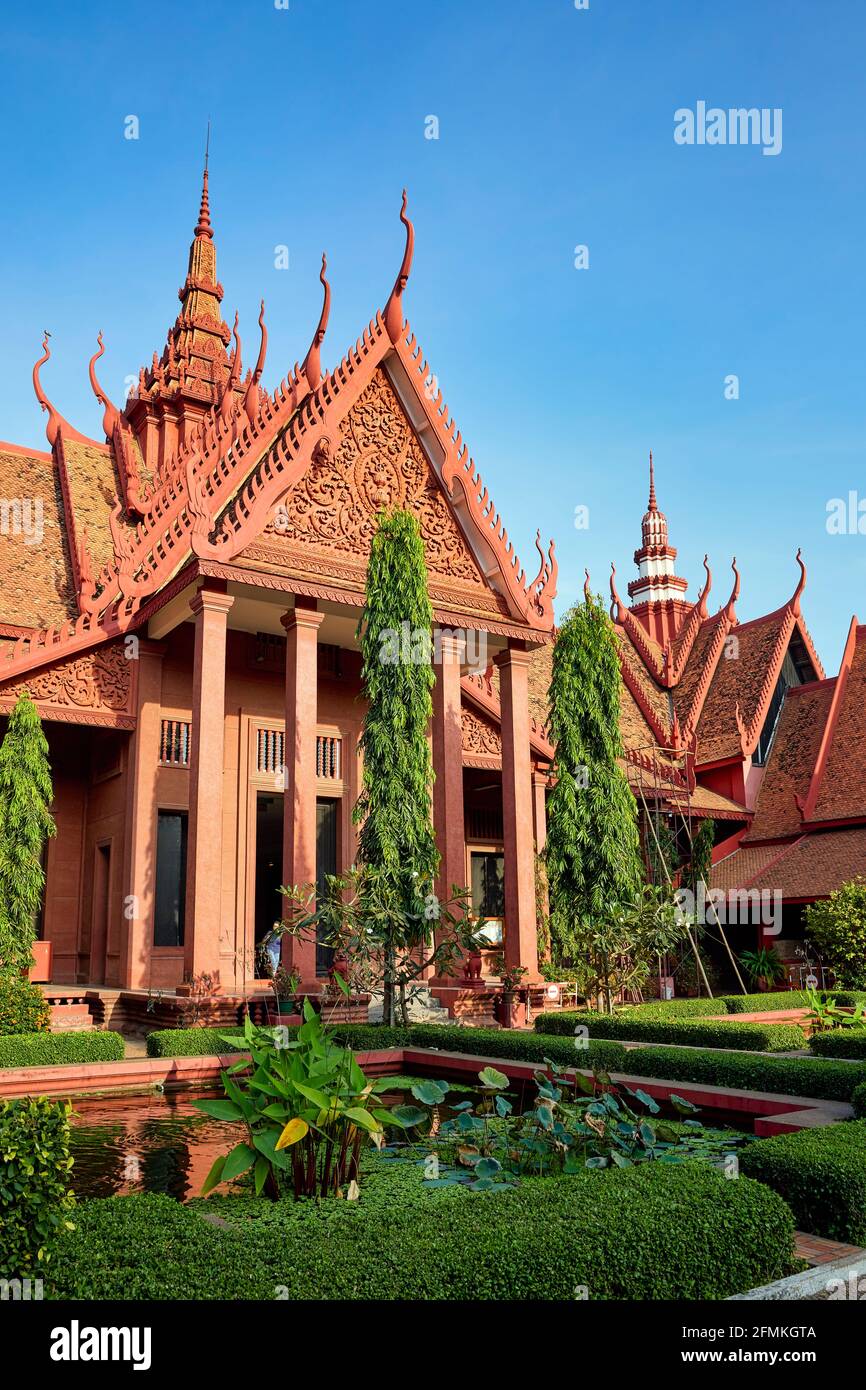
pixel 312 367
pixel 587 592
pixel 52 429
pixel 251 402
pixel 393 312
pixel 730 606
pixel 616 601
pixel 110 413
pixel 705 591
pixel 798 592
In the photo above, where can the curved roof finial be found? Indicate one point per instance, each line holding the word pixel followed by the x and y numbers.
pixel 254 377
pixel 705 591
pixel 730 607
pixel 653 504
pixel 798 592
pixel 52 429
pixel 110 413
pixel 587 592
pixel 617 602
pixel 393 312
pixel 313 362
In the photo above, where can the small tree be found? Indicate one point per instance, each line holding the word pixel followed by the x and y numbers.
pixel 837 929
pixel 394 810
pixel 25 824
pixel 594 866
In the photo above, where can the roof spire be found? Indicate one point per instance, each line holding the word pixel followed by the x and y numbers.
pixel 798 592
pixel 52 429
pixel 203 226
pixel 393 313
pixel 312 362
pixel 653 505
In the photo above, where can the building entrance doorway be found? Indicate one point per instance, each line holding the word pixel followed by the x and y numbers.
pixel 269 864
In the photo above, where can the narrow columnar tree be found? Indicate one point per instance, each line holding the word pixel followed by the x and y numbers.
pixel 593 859
pixel 394 810
pixel 25 824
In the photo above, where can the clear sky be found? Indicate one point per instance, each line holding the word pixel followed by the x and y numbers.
pixel 555 129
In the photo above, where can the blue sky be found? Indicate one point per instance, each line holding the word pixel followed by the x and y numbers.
pixel 555 130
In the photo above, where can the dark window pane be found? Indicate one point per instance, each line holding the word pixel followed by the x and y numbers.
pixel 488 884
pixel 326 863
pixel 170 878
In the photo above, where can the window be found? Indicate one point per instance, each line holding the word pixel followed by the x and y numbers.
pixel 487 881
pixel 170 878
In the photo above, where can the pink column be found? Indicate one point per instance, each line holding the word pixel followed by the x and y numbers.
pixel 140 876
pixel 539 809
pixel 520 927
pixel 299 800
pixel 448 769
pixel 204 836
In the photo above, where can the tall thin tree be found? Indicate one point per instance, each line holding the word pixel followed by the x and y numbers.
pixel 592 854
pixel 394 809
pixel 25 824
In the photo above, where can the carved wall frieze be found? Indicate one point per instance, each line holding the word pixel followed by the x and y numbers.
pixel 479 735
pixel 99 681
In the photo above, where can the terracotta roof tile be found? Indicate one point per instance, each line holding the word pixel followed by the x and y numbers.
pixel 36 586
pixel 843 784
pixel 740 867
pixel 738 678
pixel 812 867
pixel 94 487
pixel 792 760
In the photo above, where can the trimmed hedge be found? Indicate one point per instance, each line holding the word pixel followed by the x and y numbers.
pixel 651 1232
pixel 23 1007
pixel 35 1196
pixel 54 1049
pixel 205 1042
pixel 764 1003
pixel 676 1008
pixel 757 1037
pixel 858 1100
pixel 518 1046
pixel 821 1174
pixel 795 1076
pixel 840 1042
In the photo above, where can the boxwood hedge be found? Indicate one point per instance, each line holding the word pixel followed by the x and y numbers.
pixel 699 1032
pixel 205 1042
pixel 840 1042
pixel 519 1046
pixel 821 1174
pixel 652 1232
pixel 817 1077
pixel 54 1049
pixel 858 1100
pixel 35 1193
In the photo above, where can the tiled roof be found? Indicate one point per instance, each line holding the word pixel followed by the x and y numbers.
pixel 95 487
pixel 36 585
pixel 842 791
pixel 792 759
pixel 738 679
pixel 812 867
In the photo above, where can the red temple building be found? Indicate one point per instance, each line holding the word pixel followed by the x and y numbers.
pixel 179 593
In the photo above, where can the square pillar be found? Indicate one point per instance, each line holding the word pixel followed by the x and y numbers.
pixel 521 947
pixel 140 875
pixel 299 800
pixel 203 911
pixel 448 768
pixel 539 809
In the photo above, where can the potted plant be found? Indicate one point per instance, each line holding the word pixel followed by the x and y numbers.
pixel 286 984
pixel 764 967
pixel 511 1007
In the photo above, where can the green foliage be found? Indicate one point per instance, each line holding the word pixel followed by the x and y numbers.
pixel 837 929
pixel 34 1172
pixel 306 1111
pixel 592 852
pixel 749 1071
pixel 697 1032
pixel 840 1042
pixel 25 824
pixel 23 1007
pixel 209 1042
pixel 56 1049
pixel 612 1233
pixel 676 1008
pixel 821 1174
pixel 825 1013
pixel 858 1100
pixel 577 1122
pixel 700 866
pixel 764 1003
pixel 511 1043
pixel 763 964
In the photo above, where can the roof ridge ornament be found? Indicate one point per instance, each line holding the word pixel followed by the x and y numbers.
pixel 392 314
pixel 616 601
pixel 52 429
pixel 251 396
pixel 729 609
pixel 794 605
pixel 312 367
pixel 587 592
pixel 111 414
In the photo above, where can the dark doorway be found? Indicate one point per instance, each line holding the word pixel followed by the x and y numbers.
pixel 269 865
pixel 326 863
pixel 99 919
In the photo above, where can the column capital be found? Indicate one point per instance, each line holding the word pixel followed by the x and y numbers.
pixel 302 617
pixel 210 601
pixel 452 645
pixel 513 656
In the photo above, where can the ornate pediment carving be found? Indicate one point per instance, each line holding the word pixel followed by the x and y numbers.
pixel 96 688
pixel 482 742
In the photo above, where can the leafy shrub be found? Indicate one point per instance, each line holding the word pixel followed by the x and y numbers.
pixel 837 927
pixel 643 1233
pixel 677 1008
pixel 23 1007
pixel 518 1046
pixel 54 1049
pixel 858 1100
pixel 206 1042
pixel 757 1037
pixel 821 1173
pixel 790 1076
pixel 840 1042
pixel 34 1172
pixel 764 1003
